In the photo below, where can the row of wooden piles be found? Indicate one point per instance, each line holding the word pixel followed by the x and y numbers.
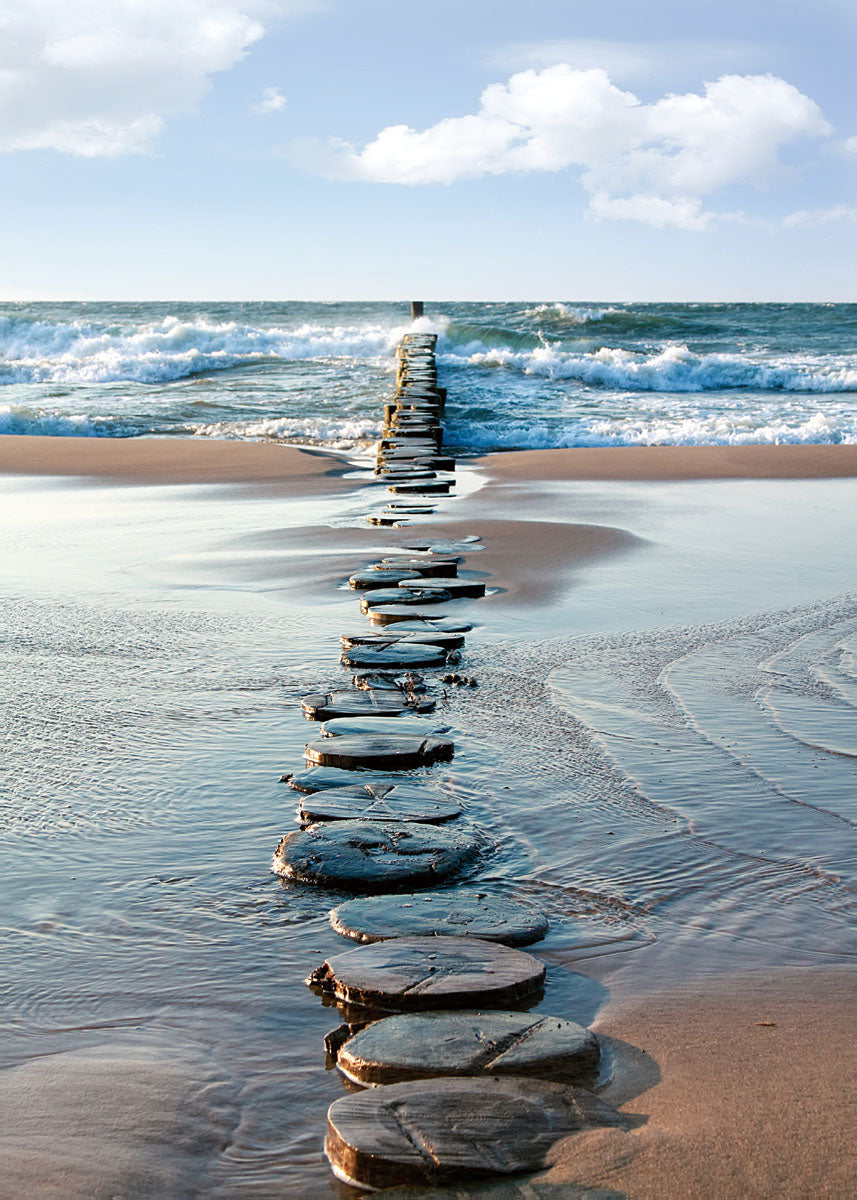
pixel 462 1076
pixel 410 455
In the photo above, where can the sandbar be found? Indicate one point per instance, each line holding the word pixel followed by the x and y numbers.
pixel 155 461
pixel 662 463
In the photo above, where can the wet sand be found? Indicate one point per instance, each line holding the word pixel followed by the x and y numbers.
pixel 182 460
pixel 737 1076
pixel 743 1088
pixel 158 461
pixel 676 462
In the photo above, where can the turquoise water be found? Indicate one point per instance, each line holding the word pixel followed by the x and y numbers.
pixel 523 375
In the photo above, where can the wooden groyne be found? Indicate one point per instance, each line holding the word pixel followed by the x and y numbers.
pixel 462 1082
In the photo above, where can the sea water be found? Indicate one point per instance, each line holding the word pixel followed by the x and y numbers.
pixel 524 375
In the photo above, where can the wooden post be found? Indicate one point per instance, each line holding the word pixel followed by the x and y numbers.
pixel 416 309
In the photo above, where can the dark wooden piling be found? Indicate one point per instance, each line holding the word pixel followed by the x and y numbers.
pixel 448 1131
pixel 416 309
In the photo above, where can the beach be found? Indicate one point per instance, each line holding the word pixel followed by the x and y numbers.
pixel 428 754
pixel 661 752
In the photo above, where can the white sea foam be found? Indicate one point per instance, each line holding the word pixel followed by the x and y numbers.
pixel 340 435
pixel 22 419
pixel 77 352
pixel 568 313
pixel 672 369
pixel 665 430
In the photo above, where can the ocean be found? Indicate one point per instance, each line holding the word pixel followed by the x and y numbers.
pixel 522 375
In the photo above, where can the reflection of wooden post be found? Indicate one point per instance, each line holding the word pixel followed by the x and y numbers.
pixel 416 309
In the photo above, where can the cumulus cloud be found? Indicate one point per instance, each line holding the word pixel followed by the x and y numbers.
pixel 98 77
pixel 850 145
pixel 808 218
pixel 633 60
pixel 656 163
pixel 272 101
pixel 684 213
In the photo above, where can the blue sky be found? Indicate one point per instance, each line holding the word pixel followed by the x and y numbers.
pixel 267 149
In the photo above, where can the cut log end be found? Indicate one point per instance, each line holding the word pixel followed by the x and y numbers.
pixel 450 1130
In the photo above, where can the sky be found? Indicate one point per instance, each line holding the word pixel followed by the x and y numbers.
pixel 476 149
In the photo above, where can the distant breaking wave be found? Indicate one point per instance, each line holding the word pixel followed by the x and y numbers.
pixel 173 349
pixel 569 314
pixel 672 369
pixel 659 430
pixel 76 352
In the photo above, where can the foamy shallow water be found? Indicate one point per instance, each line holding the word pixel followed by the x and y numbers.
pixel 659 785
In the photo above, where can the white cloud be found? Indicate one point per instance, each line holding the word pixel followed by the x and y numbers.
pixel 651 162
pixel 272 101
pixel 97 77
pixel 850 145
pixel 808 218
pixel 632 60
pixel 684 213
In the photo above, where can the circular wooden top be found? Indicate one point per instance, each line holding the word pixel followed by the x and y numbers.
pixel 464 912
pixel 377 578
pixel 371 802
pixel 355 702
pixel 394 656
pixel 420 632
pixel 448 1130
pixel 368 855
pixel 425 1045
pixel 378 751
pixel 415 973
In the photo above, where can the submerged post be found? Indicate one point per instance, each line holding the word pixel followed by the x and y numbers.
pixel 416 309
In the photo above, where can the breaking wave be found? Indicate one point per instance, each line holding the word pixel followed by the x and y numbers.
pixel 569 314
pixel 337 434
pixel 654 430
pixel 674 368
pixel 81 352
pixel 21 419
pixel 68 352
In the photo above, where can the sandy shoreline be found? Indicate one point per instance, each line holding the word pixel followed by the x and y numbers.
pixel 741 1087
pixel 676 462
pixel 744 1089
pixel 186 460
pixel 155 461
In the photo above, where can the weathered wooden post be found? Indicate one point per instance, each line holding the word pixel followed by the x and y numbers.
pixel 416 309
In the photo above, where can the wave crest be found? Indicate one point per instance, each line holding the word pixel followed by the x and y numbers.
pixel 569 314
pixel 675 430
pixel 78 352
pixel 22 419
pixel 674 368
pixel 338 435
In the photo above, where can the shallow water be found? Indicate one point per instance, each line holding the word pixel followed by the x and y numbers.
pixel 680 800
